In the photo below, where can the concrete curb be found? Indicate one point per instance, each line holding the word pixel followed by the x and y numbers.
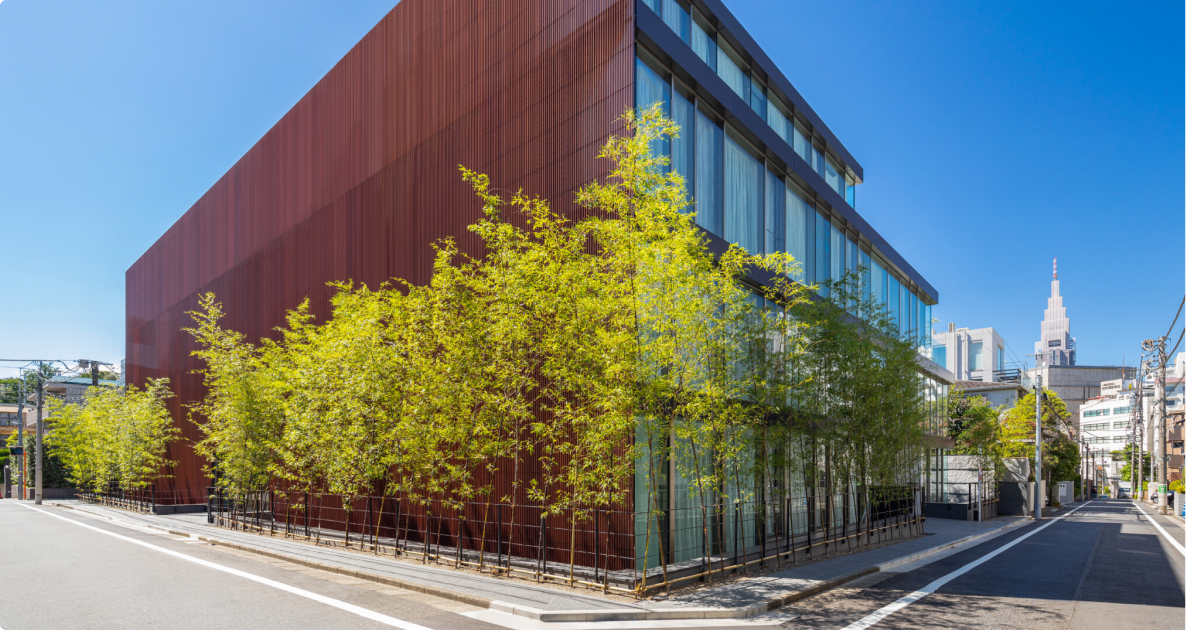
pixel 602 614
pixel 925 553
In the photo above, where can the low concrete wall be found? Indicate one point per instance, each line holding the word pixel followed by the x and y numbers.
pixel 955 511
pixel 184 508
pixel 54 493
pixel 1016 498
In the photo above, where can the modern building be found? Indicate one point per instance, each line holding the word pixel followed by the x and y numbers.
pixel 1003 394
pixel 1106 425
pixel 973 354
pixel 1057 346
pixel 361 175
pixel 1077 384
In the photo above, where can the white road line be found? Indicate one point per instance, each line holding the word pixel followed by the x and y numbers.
pixel 351 608
pixel 1182 551
pixel 883 613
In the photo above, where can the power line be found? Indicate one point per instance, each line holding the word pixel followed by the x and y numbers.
pixel 1181 303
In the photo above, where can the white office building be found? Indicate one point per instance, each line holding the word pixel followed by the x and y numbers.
pixel 970 354
pixel 1105 424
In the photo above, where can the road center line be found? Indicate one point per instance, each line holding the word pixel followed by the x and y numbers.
pixel 329 601
pixel 883 613
pixel 1182 551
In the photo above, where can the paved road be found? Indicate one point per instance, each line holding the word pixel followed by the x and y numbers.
pixel 1103 566
pixel 61 575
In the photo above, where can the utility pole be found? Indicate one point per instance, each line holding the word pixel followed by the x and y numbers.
pixel 1162 424
pixel 21 438
pixel 1037 436
pixel 1135 472
pixel 37 482
pixel 1159 347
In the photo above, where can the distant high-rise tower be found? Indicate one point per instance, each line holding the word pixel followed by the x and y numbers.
pixel 1057 346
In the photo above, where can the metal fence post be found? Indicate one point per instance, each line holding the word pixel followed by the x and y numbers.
pixel 737 523
pixel 596 538
pixel 542 549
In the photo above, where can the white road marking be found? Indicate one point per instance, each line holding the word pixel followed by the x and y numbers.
pixel 516 622
pixel 883 613
pixel 1182 551
pixel 329 601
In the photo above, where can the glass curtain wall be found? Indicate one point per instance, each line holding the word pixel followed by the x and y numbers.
pixel 795 231
pixel 743 196
pixel 700 36
pixel 683 112
pixel 775 212
pixel 653 88
pixel 710 152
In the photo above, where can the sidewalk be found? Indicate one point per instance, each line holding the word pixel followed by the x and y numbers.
pixel 742 598
pixel 760 594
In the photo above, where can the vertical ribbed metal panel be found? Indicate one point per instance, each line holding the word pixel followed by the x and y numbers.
pixel 360 176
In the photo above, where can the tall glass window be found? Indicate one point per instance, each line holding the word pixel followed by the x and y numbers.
pixel 837 253
pixel 818 162
pixel 652 88
pixel 678 19
pixel 778 121
pixel 823 252
pixel 850 194
pixel 655 5
pixel 810 244
pixel 794 233
pixel 905 303
pixel 758 97
pixel 878 282
pixel 776 210
pixel 975 355
pixel 731 72
pixel 682 149
pixel 939 355
pixel 710 151
pixel 894 299
pixel 802 143
pixel 704 43
pixel 743 197
pixel 833 177
pixel 914 325
pixel 923 315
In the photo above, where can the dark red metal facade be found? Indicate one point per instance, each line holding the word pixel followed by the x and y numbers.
pixel 361 176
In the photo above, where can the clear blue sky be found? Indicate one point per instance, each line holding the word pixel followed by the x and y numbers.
pixel 994 136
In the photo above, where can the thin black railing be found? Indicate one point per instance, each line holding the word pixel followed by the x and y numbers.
pixel 614 548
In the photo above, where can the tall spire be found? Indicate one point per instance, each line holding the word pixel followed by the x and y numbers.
pixel 1056 346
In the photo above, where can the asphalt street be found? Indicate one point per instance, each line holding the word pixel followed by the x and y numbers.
pixel 1103 566
pixel 61 575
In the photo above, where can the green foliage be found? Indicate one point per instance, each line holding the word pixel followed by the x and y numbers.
pixel 1126 455
pixel 112 437
pixel 564 341
pixel 1060 454
pixel 54 472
